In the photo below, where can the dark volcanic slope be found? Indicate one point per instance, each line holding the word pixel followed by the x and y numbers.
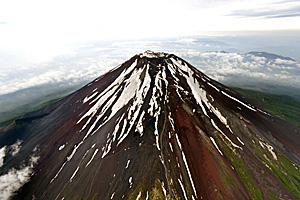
pixel 154 128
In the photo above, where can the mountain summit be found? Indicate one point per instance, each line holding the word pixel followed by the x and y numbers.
pixel 152 128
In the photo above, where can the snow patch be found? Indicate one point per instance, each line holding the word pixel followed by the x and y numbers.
pixel 211 85
pixel 75 172
pixel 112 195
pixel 164 189
pixel 171 121
pixel 139 126
pixel 61 147
pixel 182 188
pixel 86 99
pixel 178 142
pixel 216 127
pixel 247 106
pixel 263 112
pixel 189 173
pixel 107 148
pixel 74 151
pixel 130 182
pixel 156 133
pixel 127 165
pixel 139 195
pixel 171 146
pixel 269 148
pixel 240 141
pixel 95 152
pixel 215 144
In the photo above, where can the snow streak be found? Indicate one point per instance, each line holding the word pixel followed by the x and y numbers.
pixel 247 106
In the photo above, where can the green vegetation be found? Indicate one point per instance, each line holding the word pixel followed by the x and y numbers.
pixel 135 192
pixel 273 195
pixel 239 165
pixel 94 197
pixel 288 172
pixel 7 122
pixel 157 192
pixel 229 180
pixel 44 106
pixel 282 106
pixel 288 109
pixel 188 188
pixel 76 197
pixel 47 103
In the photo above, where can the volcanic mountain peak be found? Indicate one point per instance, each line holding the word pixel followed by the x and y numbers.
pixel 148 84
pixel 157 128
pixel 151 54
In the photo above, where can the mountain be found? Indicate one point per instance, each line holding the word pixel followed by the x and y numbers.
pixel 270 56
pixel 152 128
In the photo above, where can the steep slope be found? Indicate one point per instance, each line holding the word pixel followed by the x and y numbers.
pixel 154 128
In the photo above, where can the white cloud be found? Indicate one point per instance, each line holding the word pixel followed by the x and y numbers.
pixel 71 70
pixel 14 179
pixel 228 67
pixel 287 62
pixel 16 147
pixel 2 155
pixel 186 40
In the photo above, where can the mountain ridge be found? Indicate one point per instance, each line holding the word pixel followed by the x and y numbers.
pixel 270 55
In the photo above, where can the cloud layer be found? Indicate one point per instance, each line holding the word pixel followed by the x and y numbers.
pixel 15 178
pixel 92 60
pixel 70 69
pixel 234 67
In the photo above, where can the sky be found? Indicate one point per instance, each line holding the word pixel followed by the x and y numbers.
pixel 39 29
